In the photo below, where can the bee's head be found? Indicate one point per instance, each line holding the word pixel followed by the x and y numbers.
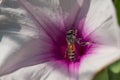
pixel 70 32
pixel 70 36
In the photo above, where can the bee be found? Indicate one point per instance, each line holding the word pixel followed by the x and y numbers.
pixel 71 39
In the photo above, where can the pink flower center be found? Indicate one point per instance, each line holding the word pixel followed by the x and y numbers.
pixel 73 46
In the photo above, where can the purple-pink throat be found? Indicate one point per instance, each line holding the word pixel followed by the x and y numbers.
pixel 74 46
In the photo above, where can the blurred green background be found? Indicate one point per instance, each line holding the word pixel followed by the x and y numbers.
pixel 117 6
pixel 112 72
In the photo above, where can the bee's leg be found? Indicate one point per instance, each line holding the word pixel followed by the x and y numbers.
pixel 78 41
pixel 84 43
pixel 66 52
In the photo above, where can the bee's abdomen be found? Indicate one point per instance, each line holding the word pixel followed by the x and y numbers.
pixel 72 57
pixel 71 52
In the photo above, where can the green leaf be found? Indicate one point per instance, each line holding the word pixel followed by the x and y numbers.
pixel 115 68
pixel 112 72
pixel 117 5
pixel 102 75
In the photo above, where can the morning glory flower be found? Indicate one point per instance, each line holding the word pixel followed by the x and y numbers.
pixel 57 39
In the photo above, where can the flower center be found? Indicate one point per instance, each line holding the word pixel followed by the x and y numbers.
pixel 75 46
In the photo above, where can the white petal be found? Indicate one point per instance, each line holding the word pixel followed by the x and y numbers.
pixel 44 19
pixel 14 19
pixel 96 59
pixel 49 8
pixel 56 10
pixel 19 42
pixel 71 9
pixel 52 70
pixel 17 52
pixel 100 23
pixel 1 1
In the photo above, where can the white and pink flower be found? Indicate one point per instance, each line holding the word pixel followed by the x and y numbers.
pixel 33 38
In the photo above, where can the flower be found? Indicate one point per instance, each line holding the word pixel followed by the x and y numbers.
pixel 34 39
